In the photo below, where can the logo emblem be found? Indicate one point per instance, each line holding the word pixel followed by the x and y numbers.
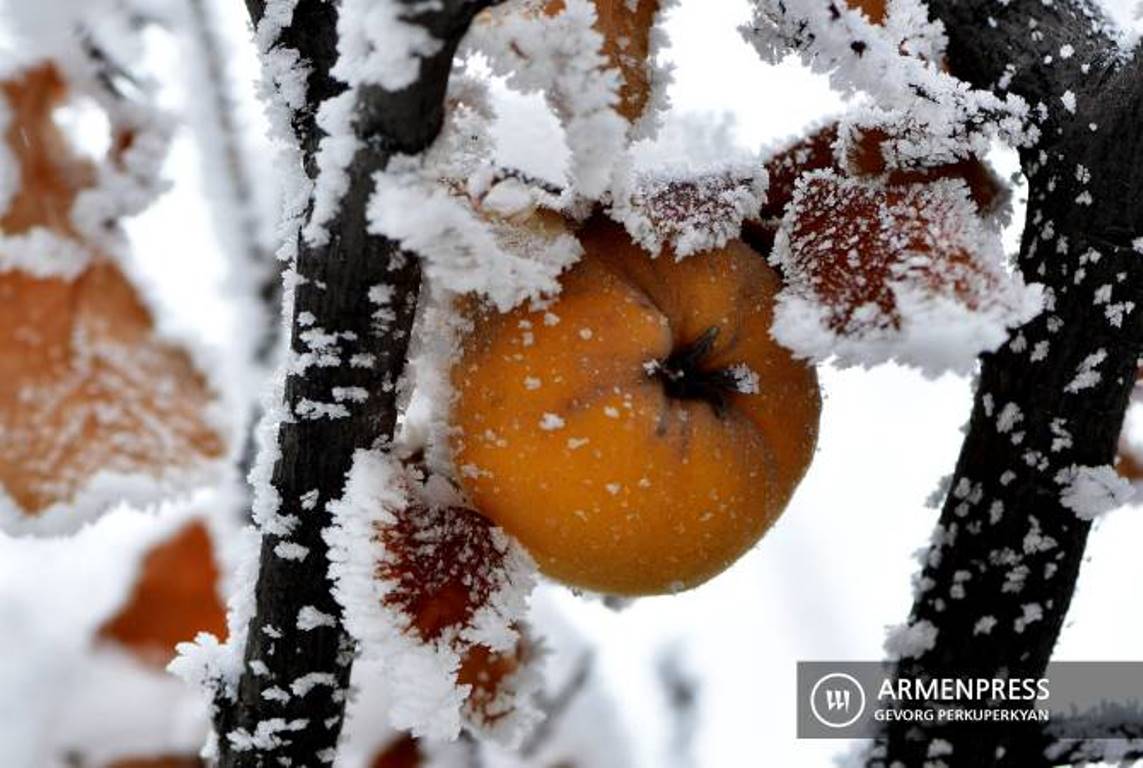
pixel 837 700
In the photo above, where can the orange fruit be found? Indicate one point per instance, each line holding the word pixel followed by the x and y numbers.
pixel 616 434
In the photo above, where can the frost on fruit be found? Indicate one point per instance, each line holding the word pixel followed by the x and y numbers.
pixel 94 407
pixel 437 594
pixel 904 272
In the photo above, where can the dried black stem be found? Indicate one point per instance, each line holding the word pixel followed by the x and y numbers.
pixel 296 629
pixel 1000 574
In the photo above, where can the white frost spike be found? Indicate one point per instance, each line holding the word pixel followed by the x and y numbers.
pixel 335 152
pixel 562 57
pixel 1087 373
pixel 841 42
pixel 460 250
pixel 1093 491
pixel 377 46
pixel 745 379
pixel 911 640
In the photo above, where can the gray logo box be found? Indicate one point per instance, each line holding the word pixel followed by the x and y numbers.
pixel 1071 700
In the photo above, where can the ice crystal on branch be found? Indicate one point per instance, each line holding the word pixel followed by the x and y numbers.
pixel 1093 491
pixel 562 56
pixel 941 118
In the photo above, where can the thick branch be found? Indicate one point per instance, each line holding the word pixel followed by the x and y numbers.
pixel 1000 574
pixel 296 631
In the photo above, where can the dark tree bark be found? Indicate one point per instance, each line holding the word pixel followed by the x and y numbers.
pixel 296 629
pixel 1000 574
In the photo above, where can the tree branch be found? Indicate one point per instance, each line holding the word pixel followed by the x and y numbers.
pixel 999 577
pixel 296 630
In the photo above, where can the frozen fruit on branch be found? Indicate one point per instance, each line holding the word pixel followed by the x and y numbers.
pixel 643 431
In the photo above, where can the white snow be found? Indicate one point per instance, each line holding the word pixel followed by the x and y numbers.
pixel 911 640
pixel 1093 491
pixel 550 422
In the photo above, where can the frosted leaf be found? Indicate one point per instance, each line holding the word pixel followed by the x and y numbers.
pixel 436 593
pixel 86 389
pixel 859 152
pixel 175 596
pixel 94 407
pixel 787 163
pixel 1093 491
pixel 690 213
pixel 880 146
pixel 59 203
pixel 903 272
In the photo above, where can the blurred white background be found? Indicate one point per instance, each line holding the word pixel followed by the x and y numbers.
pixel 834 572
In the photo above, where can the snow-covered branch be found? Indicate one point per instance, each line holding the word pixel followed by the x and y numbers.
pixel 350 300
pixel 999 575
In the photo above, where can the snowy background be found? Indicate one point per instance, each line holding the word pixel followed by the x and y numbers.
pixel 825 582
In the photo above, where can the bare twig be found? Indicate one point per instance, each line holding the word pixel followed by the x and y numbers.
pixel 682 692
pixel 555 705
pixel 224 142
